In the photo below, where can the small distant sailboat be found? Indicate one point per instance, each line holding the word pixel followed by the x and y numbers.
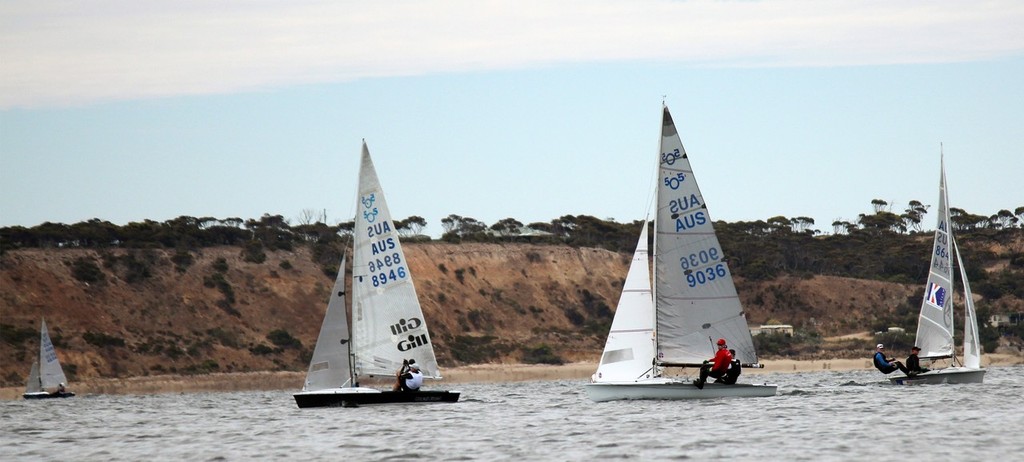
pixel 693 300
pixel 388 326
pixel 935 322
pixel 46 372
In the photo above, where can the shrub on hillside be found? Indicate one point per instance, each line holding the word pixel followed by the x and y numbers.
pixel 253 252
pixel 182 259
pixel 102 340
pixel 542 354
pixel 86 270
pixel 283 339
pixel 16 335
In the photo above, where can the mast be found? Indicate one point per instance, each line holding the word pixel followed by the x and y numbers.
pixel 654 255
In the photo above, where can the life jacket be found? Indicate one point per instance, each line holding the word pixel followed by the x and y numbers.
pixel 733 372
pixel 880 362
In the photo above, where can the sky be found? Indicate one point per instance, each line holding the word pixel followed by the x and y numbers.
pixel 134 110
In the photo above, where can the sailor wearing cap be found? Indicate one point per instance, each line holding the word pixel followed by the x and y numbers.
pixel 409 377
pixel 884 364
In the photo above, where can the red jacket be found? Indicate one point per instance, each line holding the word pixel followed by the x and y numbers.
pixel 722 360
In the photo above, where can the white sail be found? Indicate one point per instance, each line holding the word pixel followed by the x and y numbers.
pixel 34 385
pixel 972 343
pixel 388 324
pixel 330 366
pixel 935 323
pixel 694 293
pixel 50 373
pixel 629 350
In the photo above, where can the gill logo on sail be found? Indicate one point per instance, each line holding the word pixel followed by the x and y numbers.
pixel 412 341
pixel 406 325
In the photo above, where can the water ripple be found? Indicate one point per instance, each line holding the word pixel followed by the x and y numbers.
pixel 824 415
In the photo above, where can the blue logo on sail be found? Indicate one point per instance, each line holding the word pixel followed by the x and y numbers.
pixel 368 200
pixel 935 295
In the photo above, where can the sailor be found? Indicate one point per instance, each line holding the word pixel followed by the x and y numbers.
pixel 734 370
pixel 886 365
pixel 718 367
pixel 60 388
pixel 914 363
pixel 409 377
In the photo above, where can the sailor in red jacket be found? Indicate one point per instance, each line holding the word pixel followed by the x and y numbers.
pixel 716 369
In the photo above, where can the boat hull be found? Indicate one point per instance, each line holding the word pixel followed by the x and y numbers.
pixel 675 390
pixel 947 375
pixel 351 397
pixel 46 395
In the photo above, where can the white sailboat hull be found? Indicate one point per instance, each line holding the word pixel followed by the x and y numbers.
pixel 947 375
pixel 674 390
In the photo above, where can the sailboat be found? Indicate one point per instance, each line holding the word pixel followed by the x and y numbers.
pixel 692 303
pixel 935 322
pixel 46 373
pixel 388 328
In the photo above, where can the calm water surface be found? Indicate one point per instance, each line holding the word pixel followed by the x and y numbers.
pixel 816 416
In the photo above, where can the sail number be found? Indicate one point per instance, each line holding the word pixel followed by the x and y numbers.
pixel 705 275
pixel 940 251
pixel 389 268
pixel 389 275
pixel 701 258
pixel 386 262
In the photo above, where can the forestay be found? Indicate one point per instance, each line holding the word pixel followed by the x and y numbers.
pixel 329 366
pixel 388 324
pixel 694 293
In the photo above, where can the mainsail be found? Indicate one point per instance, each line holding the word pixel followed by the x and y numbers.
pixel 694 293
pixel 388 324
pixel 629 350
pixel 50 373
pixel 935 323
pixel 329 366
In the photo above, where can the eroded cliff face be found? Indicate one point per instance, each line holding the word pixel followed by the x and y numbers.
pixel 484 303
pixel 153 314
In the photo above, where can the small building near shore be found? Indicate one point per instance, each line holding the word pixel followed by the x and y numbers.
pixel 772 329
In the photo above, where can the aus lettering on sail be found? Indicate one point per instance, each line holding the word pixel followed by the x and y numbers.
pixel 412 340
pixel 688 212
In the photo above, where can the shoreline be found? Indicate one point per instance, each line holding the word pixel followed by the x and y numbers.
pixel 478 373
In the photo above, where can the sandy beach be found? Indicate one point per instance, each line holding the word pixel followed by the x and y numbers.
pixel 487 373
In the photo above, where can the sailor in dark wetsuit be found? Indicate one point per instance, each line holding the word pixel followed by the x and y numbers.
pixel 914 363
pixel 734 370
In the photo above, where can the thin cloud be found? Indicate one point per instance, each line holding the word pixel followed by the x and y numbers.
pixel 72 53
